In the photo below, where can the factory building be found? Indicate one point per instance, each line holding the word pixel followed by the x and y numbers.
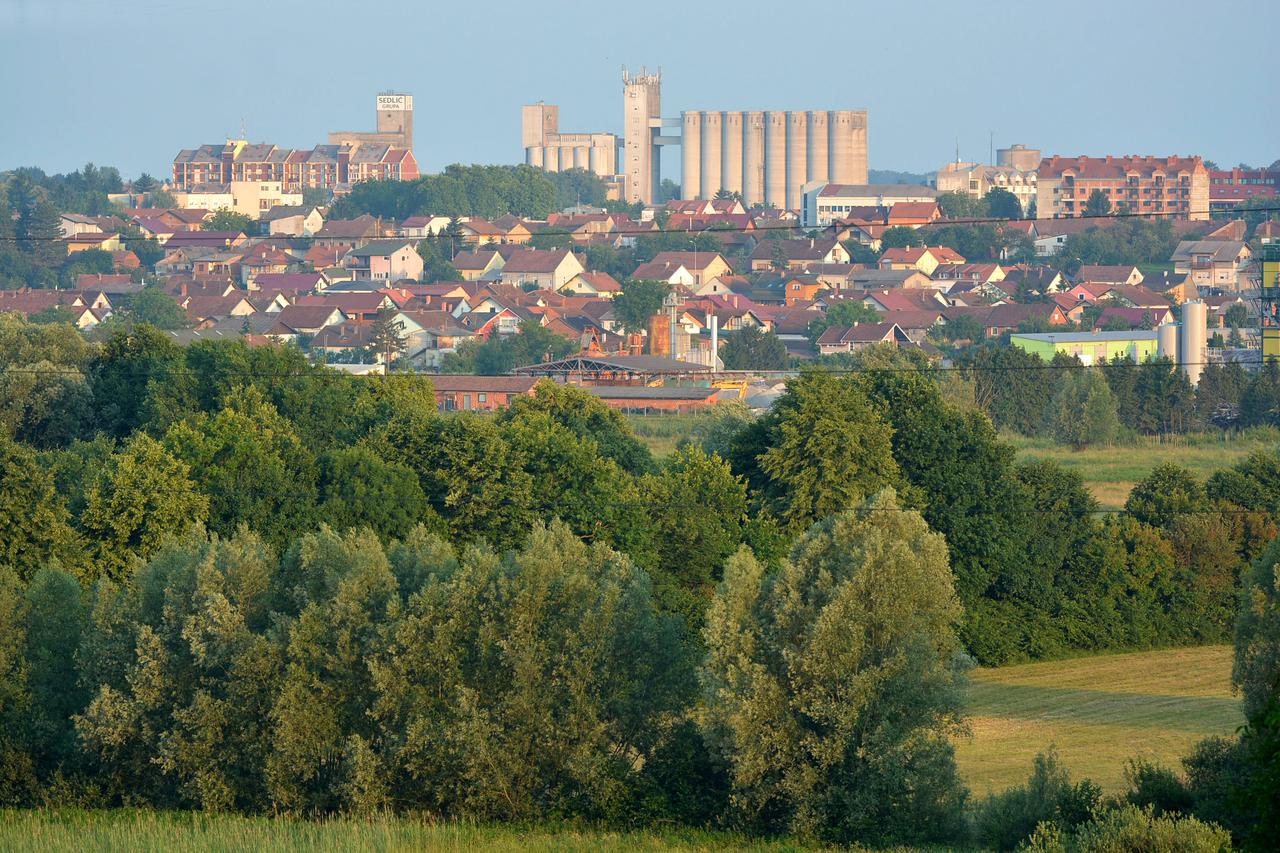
pixel 768 157
pixel 545 147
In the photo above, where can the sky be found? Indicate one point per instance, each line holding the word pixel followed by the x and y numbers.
pixel 131 82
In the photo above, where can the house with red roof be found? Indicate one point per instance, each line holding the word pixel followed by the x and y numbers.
pixel 926 259
pixel 546 269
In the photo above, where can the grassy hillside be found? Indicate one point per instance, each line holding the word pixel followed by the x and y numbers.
pixel 1098 711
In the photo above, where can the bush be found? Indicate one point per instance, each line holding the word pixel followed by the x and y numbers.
pixel 1157 787
pixel 1128 829
pixel 1005 820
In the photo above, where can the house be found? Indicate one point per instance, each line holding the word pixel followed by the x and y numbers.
pixel 916 322
pixel 290 284
pixel 1109 274
pixel 429 335
pixel 1052 234
pixel 93 240
pixel 888 301
pixel 703 266
pixel 838 339
pixel 477 232
pixel 1028 280
pixel 293 221
pixel 672 273
pixel 1132 318
pixel 297 320
pixel 798 254
pixel 204 240
pixel 349 232
pixel 599 284
pixel 203 308
pixel 423 226
pixel 387 260
pixel 462 392
pixel 478 264
pixel 925 259
pixel 540 269
pixel 358 307
pixel 883 279
pixel 29 302
pixel 1213 263
pixel 342 338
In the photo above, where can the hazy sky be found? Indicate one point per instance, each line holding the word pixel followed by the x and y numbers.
pixel 130 82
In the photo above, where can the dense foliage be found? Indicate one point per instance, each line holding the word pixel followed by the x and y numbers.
pixel 235 581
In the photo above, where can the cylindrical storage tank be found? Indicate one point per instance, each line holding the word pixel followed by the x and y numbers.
pixel 817 147
pixel 534 156
pixel 690 154
pixel 753 158
pixel 1167 342
pixel 1191 349
pixel 551 158
pixel 860 165
pixel 731 164
pixel 581 157
pixel 840 147
pixel 711 148
pixel 797 156
pixel 594 160
pixel 775 159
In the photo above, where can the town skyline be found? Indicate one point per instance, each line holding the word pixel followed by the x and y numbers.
pixel 469 104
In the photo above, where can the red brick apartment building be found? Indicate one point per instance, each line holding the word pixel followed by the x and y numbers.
pixel 1167 186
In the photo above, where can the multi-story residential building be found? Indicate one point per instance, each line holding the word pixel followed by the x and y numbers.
pixel 1161 186
pixel 1217 264
pixel 1229 188
pixel 325 166
pixel 978 179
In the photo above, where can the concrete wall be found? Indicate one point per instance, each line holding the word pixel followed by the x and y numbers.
pixel 819 128
pixel 690 154
pixel 775 159
pixel 731 168
pixel 797 156
pixel 753 158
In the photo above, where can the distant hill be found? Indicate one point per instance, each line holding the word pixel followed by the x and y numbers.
pixel 889 176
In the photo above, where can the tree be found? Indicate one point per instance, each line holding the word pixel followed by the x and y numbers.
pixel 360 489
pixel 1098 204
pixel 842 314
pixel 1237 316
pixel 832 685
pixel 586 416
pixel 822 448
pixel 1256 672
pixel 1083 412
pixel 1167 493
pixel 699 508
pixel 750 348
pixel 1002 204
pixel 144 183
pixel 960 205
pixel 531 344
pixel 900 237
pixel 387 337
pixel 144 496
pixel 1131 828
pixel 39 232
pixel 225 219
pixel 152 305
pixel 638 301
pixel 34 529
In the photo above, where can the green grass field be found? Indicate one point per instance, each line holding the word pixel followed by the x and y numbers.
pixel 1098 712
pixel 138 831
pixel 1110 472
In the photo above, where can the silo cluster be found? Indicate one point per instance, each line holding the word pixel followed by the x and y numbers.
pixel 768 157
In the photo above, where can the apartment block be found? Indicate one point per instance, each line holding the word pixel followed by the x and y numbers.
pixel 1160 186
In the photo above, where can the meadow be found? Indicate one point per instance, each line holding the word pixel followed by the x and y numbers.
pixel 1097 712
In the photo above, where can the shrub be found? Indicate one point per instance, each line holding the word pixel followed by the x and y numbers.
pixel 1005 820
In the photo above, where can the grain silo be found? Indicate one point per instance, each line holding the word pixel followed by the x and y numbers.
pixel 818 131
pixel 1167 341
pixel 797 156
pixel 712 141
pixel 731 168
pixel 1192 349
pixel 753 158
pixel 691 154
pixel 775 159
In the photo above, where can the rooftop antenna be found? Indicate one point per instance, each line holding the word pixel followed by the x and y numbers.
pixel 243 132
pixel 957 151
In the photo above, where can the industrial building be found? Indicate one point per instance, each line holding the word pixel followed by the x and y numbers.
pixel 394 123
pixel 767 157
pixel 1184 343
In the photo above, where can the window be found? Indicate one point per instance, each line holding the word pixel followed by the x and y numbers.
pixel 482 398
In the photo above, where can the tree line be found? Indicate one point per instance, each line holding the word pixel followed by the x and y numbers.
pixel 231 580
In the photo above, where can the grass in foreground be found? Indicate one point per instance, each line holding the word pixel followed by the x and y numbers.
pixel 1098 712
pixel 1110 472
pixel 178 832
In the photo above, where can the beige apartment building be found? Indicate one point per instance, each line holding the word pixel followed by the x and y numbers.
pixel 1159 186
pixel 978 179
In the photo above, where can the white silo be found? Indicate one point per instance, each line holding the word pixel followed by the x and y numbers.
pixel 1167 342
pixel 1191 347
